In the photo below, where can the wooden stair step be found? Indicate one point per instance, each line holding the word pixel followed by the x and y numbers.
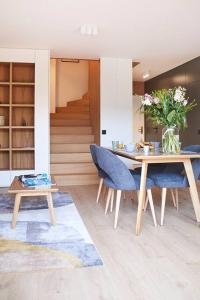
pixel 71 130
pixel 56 122
pixel 73 109
pixel 68 148
pixel 76 179
pixel 70 157
pixel 65 139
pixel 73 168
pixel 78 102
pixel 70 116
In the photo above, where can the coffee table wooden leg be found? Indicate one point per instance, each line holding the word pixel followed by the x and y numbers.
pixel 51 209
pixel 16 209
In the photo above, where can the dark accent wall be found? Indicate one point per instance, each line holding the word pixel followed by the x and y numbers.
pixel 188 76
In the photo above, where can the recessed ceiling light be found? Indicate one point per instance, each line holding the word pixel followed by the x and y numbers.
pixel 145 75
pixel 89 29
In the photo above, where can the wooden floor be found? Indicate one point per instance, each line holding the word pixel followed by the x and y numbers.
pixel 163 263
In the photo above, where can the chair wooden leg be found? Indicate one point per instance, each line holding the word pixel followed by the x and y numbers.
pixel 99 189
pixel 150 198
pixel 112 200
pixel 176 197
pixel 118 198
pixel 146 202
pixel 164 193
pixel 173 197
pixel 108 200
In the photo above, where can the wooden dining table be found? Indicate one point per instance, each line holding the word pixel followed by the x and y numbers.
pixel 159 157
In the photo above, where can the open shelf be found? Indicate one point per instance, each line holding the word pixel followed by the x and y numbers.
pixel 23 73
pixel 4 160
pixel 22 116
pixel 17 98
pixel 4 138
pixel 23 138
pixel 4 111
pixel 23 160
pixel 23 94
pixel 4 94
pixel 4 72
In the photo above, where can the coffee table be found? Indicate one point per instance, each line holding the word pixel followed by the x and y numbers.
pixel 20 191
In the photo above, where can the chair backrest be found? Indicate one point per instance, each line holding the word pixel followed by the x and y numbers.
pixel 192 148
pixel 93 148
pixel 179 167
pixel 115 168
pixel 196 168
pixel 196 161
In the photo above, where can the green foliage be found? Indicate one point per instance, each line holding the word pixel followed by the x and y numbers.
pixel 167 107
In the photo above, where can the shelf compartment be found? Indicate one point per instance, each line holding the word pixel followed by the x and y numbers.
pixel 23 116
pixel 4 72
pixel 4 111
pixel 23 160
pixel 23 72
pixel 4 160
pixel 23 94
pixel 22 138
pixel 4 94
pixel 4 138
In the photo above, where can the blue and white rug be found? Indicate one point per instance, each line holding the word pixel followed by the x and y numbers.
pixel 35 244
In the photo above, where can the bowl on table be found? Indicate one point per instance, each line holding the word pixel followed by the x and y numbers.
pixel 129 147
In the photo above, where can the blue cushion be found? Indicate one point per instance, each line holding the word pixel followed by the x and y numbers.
pixel 169 180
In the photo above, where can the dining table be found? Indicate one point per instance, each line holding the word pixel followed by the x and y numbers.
pixel 184 157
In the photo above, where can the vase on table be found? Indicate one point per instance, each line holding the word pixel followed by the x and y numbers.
pixel 170 140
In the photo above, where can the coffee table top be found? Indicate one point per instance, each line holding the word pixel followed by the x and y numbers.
pixel 17 187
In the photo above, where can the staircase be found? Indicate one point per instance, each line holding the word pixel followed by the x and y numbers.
pixel 71 135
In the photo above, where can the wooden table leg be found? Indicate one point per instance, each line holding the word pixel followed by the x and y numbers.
pixel 51 209
pixel 15 211
pixel 193 188
pixel 142 195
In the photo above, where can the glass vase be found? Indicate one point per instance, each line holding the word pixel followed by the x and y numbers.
pixel 170 140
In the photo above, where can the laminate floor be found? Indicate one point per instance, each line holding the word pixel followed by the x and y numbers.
pixel 162 263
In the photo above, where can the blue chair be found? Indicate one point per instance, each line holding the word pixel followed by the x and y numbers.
pixel 169 168
pixel 120 178
pixel 101 173
pixel 175 179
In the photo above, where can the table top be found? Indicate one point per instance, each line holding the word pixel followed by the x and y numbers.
pixel 17 187
pixel 156 156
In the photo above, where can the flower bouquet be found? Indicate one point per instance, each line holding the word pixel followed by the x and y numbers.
pixel 168 108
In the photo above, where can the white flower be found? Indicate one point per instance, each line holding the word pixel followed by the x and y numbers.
pixel 156 100
pixel 179 95
pixel 146 102
pixel 185 102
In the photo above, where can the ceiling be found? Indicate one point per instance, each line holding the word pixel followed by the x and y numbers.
pixel 159 34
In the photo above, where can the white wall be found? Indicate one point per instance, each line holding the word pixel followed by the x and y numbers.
pixel 71 81
pixel 53 64
pixel 116 100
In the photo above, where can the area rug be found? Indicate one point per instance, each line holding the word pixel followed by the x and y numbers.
pixel 35 244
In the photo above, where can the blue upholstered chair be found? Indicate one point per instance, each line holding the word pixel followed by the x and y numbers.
pixel 175 178
pixel 169 168
pixel 101 173
pixel 120 179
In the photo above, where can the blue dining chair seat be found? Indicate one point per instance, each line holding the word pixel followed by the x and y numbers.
pixel 169 180
pixel 135 184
